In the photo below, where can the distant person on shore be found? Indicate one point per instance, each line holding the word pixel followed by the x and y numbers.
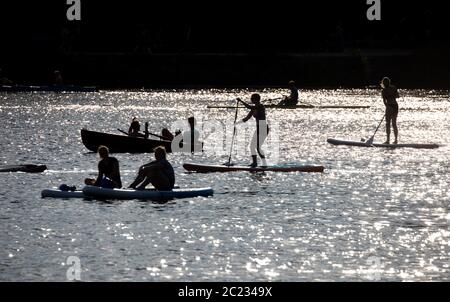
pixel 158 172
pixel 292 99
pixel 58 78
pixel 135 128
pixel 108 171
pixel 390 95
pixel 258 111
pixel 4 80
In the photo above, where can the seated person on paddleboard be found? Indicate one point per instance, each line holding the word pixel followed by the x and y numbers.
pixel 390 95
pixel 258 111
pixel 135 127
pixel 158 172
pixel 292 99
pixel 108 171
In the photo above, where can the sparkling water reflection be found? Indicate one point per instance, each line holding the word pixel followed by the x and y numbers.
pixel 373 215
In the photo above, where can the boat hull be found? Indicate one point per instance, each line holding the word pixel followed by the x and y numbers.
pixel 51 88
pixel 23 168
pixel 121 143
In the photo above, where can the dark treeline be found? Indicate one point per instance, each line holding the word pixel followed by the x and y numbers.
pixel 127 26
pixel 40 32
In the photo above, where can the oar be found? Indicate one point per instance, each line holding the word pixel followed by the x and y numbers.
pixel 370 140
pixel 155 135
pixel 234 134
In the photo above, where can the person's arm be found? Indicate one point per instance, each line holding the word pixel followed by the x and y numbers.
pixel 248 106
pixel 384 98
pixel 249 116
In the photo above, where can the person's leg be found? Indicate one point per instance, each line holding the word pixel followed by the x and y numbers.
pixel 263 130
pixel 158 179
pixel 139 178
pixel 253 149
pixel 388 126
pixel 394 125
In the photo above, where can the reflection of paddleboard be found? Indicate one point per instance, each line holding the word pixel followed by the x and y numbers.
pixel 102 193
pixel 61 194
pixel 362 144
pixel 23 168
pixel 279 168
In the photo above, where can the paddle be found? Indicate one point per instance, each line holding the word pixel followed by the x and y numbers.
pixel 234 134
pixel 370 140
pixel 155 135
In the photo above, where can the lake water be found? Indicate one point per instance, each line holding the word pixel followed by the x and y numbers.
pixel 375 214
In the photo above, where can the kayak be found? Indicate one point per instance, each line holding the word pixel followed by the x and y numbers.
pixel 296 107
pixel 278 168
pixel 393 146
pixel 62 194
pixel 50 88
pixel 127 194
pixel 23 168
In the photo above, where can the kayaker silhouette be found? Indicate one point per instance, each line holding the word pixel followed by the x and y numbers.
pixel 292 99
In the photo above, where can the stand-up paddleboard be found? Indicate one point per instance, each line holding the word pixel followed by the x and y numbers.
pixel 54 193
pixel 279 168
pixel 23 168
pixel 295 107
pixel 363 144
pixel 127 194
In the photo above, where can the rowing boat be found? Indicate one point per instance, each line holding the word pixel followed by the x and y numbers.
pixel 23 168
pixel 128 194
pixel 199 168
pixel 392 146
pixel 50 88
pixel 121 143
pixel 296 107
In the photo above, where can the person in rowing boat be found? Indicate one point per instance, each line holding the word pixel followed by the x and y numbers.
pixel 292 99
pixel 135 127
pixel 258 111
pixel 390 95
pixel 191 137
pixel 158 172
pixel 108 171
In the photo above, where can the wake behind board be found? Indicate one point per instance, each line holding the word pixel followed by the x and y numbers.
pixel 128 194
pixel 53 193
pixel 279 168
pixel 393 146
